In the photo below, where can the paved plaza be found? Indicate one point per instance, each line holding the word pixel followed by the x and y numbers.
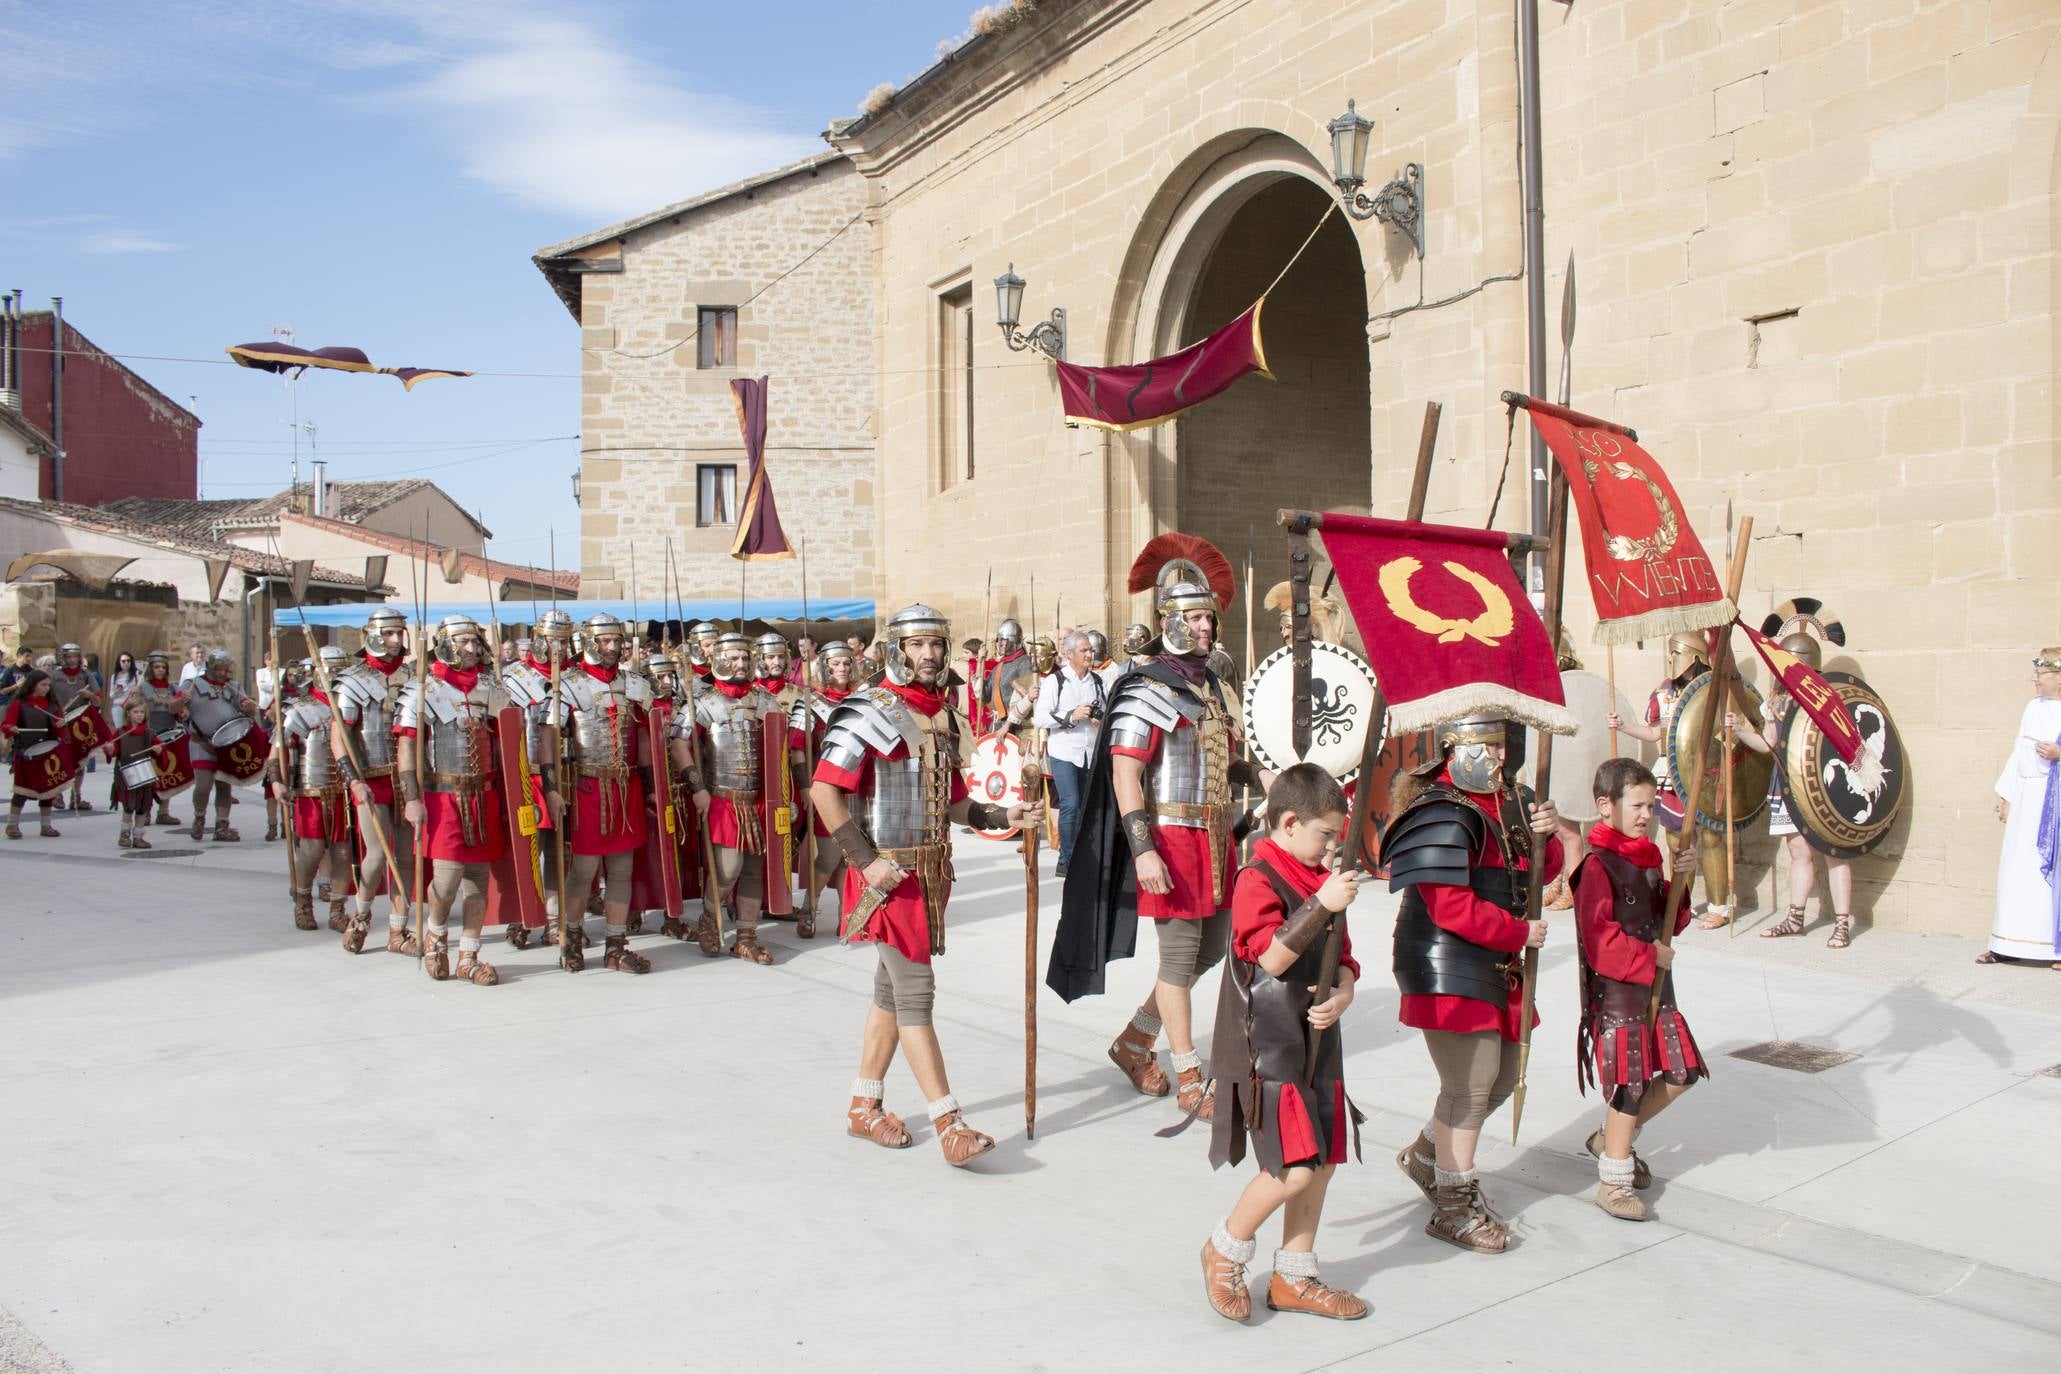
pixel 229 1146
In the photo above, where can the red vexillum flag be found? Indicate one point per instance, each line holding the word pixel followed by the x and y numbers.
pixel 1647 571
pixel 759 535
pixel 1447 629
pixel 1816 697
pixel 1145 394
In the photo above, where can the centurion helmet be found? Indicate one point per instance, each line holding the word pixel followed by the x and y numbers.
pixel 1008 638
pixel 728 644
pixel 450 630
pixel 914 622
pixel 1685 654
pixel 1464 747
pixel 1184 573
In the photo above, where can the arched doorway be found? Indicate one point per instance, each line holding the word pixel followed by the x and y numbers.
pixel 1217 234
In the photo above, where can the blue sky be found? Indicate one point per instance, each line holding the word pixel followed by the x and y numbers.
pixel 191 174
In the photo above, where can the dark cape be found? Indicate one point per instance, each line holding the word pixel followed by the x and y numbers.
pixel 1098 908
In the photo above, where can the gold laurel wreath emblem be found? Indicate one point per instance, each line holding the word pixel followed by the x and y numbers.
pixel 1624 548
pixel 1496 618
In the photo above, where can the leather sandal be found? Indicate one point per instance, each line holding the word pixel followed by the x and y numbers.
pixel 634 923
pixel 867 1121
pixel 123 842
pixel 1139 1063
pixel 1420 1167
pixel 1197 1095
pixel 621 958
pixel 355 932
pixel 339 918
pixel 49 831
pixel 398 941
pixel 1842 931
pixel 960 1142
pixel 199 827
pixel 475 970
pixel 1223 1283
pixel 747 946
pixel 13 831
pixel 805 923
pixel 1314 1296
pixel 303 911
pixel 166 818
pixel 224 832
pixel 1463 1218
pixel 435 962
pixel 140 843
pixel 1791 924
pixel 517 934
pixel 676 929
pixel 1642 1177
pixel 708 937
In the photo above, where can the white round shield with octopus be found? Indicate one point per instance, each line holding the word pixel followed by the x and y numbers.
pixel 1342 694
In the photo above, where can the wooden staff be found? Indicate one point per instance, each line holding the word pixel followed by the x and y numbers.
pixel 418 749
pixel 1033 777
pixel 1720 643
pixel 1610 667
pixel 810 888
pixel 284 799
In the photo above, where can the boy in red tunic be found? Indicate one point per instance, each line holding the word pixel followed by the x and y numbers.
pixel 1283 905
pixel 1620 903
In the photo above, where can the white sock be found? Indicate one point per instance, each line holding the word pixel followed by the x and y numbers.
pixel 1183 1061
pixel 944 1106
pixel 1459 1178
pixel 872 1089
pixel 1429 1141
pixel 616 932
pixel 1295 1264
pixel 437 932
pixel 1231 1248
pixel 468 944
pixel 1145 1024
pixel 1618 1171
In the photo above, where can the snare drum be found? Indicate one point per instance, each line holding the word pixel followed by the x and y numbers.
pixel 175 765
pixel 84 727
pixel 44 770
pixel 139 775
pixel 240 749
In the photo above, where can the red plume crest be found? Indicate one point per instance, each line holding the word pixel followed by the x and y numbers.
pixel 1172 545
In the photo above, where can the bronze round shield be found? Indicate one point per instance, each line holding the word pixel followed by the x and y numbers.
pixel 1843 809
pixel 1700 717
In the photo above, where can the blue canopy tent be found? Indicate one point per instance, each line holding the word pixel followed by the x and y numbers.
pixel 524 612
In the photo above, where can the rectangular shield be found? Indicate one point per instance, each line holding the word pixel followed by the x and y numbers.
pixel 777 782
pixel 655 879
pixel 515 889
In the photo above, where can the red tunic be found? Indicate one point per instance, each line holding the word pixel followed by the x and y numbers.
pixel 901 921
pixel 443 833
pixel 1625 1050
pixel 314 818
pixel 1185 851
pixel 1605 946
pixel 722 812
pixel 625 799
pixel 1457 909
pixel 799 740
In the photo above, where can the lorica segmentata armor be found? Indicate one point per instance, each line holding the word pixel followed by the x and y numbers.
pixel 367 702
pixel 315 770
pixel 735 728
pixel 907 816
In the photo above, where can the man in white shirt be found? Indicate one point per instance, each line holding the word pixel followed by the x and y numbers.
pixel 196 659
pixel 1070 704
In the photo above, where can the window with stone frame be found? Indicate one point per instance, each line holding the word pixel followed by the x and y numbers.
pixel 715 336
pixel 954 352
pixel 715 494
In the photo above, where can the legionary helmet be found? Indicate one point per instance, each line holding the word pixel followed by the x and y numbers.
pixel 1805 647
pixel 835 653
pixel 1685 654
pixel 731 644
pixel 1008 638
pixel 913 622
pixel 218 667
pixel 596 629
pixel 157 664
pixel 1044 654
pixel 298 674
pixel 1098 646
pixel 660 667
pixel 554 625
pixel 381 623
pixel 1137 638
pixel 335 658
pixel 450 630
pixel 768 645
pixel 70 655
pixel 1463 745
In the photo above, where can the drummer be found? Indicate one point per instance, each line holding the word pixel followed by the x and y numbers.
pixel 217 702
pixel 167 706
pixel 71 683
pixel 31 725
pixel 136 754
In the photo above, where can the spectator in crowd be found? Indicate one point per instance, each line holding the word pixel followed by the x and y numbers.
pixel 509 646
pixel 1070 706
pixel 123 681
pixel 196 659
pixel 2028 919
pixel 268 685
pixel 22 664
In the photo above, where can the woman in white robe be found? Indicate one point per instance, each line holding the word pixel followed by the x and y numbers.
pixel 2027 906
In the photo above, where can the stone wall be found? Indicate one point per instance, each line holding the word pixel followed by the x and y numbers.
pixel 650 415
pixel 1815 244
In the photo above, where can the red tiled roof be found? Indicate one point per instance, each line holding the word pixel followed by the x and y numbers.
pixel 108 520
pixel 566 580
pixel 349 502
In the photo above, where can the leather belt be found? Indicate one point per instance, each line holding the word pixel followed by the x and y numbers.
pixel 460 782
pixel 385 770
pixel 618 772
pixel 318 794
pixel 909 858
pixel 1187 811
pixel 733 794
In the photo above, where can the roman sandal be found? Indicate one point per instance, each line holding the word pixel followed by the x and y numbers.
pixel 1842 930
pixel 866 1120
pixel 1791 924
pixel 1136 1058
pixel 960 1142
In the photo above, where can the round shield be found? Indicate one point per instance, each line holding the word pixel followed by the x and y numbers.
pixel 1342 692
pixel 1699 717
pixel 1843 809
pixel 994 774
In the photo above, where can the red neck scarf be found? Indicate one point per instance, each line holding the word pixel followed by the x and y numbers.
pixel 701 670
pixel 834 693
pixel 543 668
pixel 736 691
pixel 386 665
pixel 319 696
pixel 927 700
pixel 142 730
pixel 775 685
pixel 599 672
pixel 1304 879
pixel 1636 850
pixel 464 679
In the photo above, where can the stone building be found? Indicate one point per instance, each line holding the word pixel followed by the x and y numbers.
pixel 771 276
pixel 1815 245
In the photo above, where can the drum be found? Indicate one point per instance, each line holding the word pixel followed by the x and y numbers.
pixel 175 765
pixel 1845 809
pixel 43 770
pixel 994 774
pixel 240 749
pixel 1342 692
pixel 139 774
pixel 1699 716
pixel 211 713
pixel 84 728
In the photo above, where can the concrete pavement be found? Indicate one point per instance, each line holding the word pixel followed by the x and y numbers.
pixel 229 1146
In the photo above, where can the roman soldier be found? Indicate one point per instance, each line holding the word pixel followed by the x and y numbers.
pixel 449 778
pixel 528 682
pixel 599 741
pixel 136 760
pixel 71 680
pixel 1460 851
pixel 772 658
pixel 727 735
pixel 1010 667
pixel 30 724
pixel 216 701
pixel 1687 659
pixel 366 699
pixel 662 671
pixel 1023 697
pixel 1782 823
pixel 1154 837
pixel 167 706
pixel 701 648
pixel 838 667
pixel 306 768
pixel 1138 644
pixel 889 787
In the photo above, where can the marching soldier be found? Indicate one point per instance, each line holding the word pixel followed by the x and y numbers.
pixel 137 752
pixel 598 739
pixel 167 706
pixel 773 664
pixel 216 703
pixel 457 804
pixel 70 681
pixel 318 812
pixel 889 788
pixel 367 701
pixel 528 684
pixel 701 648
pixel 1010 667
pixel 727 735
pixel 838 667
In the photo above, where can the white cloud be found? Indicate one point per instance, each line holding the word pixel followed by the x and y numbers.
pixel 117 241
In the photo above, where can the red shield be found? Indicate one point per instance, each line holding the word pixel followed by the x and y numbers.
pixel 175 764
pixel 43 770
pixel 777 780
pixel 244 757
pixel 655 875
pixel 515 887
